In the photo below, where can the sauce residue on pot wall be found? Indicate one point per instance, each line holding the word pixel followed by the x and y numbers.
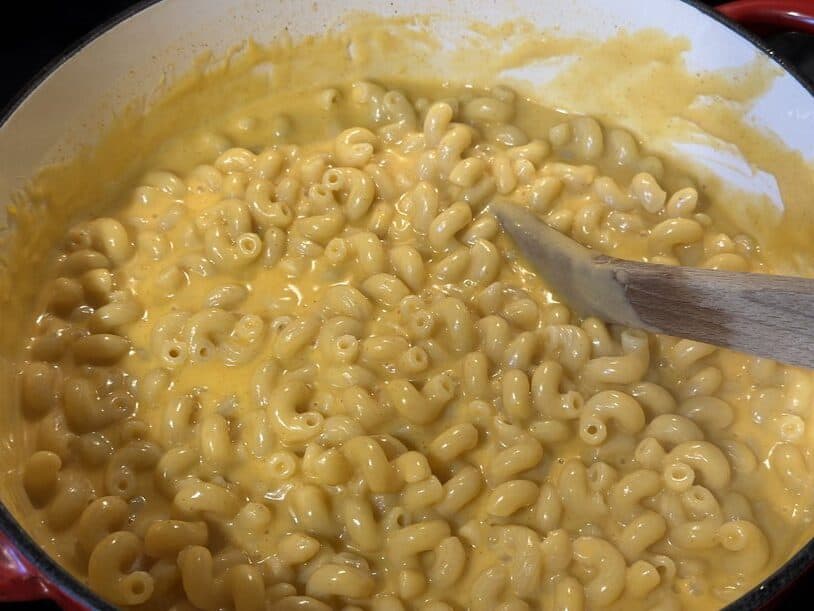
pixel 191 122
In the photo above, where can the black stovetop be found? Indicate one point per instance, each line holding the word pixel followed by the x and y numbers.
pixel 38 31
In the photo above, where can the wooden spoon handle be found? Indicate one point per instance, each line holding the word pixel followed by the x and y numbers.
pixel 771 316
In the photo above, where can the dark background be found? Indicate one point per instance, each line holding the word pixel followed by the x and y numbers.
pixel 37 31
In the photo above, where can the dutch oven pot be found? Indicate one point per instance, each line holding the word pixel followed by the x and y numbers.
pixel 144 42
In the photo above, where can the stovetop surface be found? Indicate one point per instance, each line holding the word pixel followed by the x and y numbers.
pixel 42 30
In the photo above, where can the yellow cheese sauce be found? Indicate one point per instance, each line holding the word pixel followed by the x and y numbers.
pixel 298 364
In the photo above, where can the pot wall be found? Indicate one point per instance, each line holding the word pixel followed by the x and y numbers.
pixel 74 103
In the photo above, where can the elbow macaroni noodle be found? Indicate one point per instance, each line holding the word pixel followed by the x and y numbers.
pixel 316 376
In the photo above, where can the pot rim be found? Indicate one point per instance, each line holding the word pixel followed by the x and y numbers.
pixel 54 574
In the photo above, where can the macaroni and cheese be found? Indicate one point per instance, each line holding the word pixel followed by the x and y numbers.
pixel 312 373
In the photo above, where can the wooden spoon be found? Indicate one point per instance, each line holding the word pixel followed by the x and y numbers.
pixel 769 316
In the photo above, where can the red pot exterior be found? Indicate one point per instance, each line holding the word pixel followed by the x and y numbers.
pixel 20 581
pixel 795 15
